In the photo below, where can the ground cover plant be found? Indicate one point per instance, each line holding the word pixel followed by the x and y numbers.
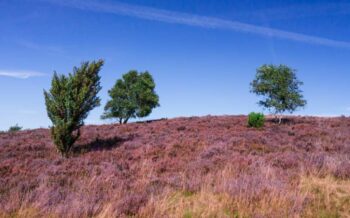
pixel 185 167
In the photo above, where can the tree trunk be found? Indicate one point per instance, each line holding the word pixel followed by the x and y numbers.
pixel 126 120
pixel 279 119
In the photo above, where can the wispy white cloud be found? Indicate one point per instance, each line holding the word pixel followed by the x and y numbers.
pixel 21 74
pixel 39 47
pixel 195 20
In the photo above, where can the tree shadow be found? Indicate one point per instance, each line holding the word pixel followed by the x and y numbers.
pixel 284 121
pixel 100 144
pixel 152 121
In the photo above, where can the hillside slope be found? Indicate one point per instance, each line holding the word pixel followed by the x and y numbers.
pixel 184 167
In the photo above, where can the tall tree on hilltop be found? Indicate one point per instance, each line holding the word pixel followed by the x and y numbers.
pixel 131 97
pixel 280 89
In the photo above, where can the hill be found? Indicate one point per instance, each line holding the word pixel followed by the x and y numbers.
pixel 184 167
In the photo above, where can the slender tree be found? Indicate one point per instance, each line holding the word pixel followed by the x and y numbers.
pixel 132 96
pixel 69 101
pixel 280 89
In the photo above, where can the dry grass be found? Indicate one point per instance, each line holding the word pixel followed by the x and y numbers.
pixel 226 193
pixel 328 196
pixel 29 212
pixel 321 197
pixel 188 204
pixel 207 203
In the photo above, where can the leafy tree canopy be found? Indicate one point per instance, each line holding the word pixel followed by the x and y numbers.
pixel 280 88
pixel 132 96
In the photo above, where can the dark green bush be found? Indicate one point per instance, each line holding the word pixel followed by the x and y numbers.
pixel 256 120
pixel 15 128
pixel 69 101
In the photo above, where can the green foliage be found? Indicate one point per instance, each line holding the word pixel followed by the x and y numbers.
pixel 256 120
pixel 69 102
pixel 132 96
pixel 280 88
pixel 15 128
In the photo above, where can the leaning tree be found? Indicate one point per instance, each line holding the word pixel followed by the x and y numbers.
pixel 69 101
pixel 280 89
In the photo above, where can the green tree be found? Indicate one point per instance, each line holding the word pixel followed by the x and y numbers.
pixel 69 101
pixel 132 96
pixel 280 88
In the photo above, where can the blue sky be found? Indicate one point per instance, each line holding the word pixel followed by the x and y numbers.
pixel 202 53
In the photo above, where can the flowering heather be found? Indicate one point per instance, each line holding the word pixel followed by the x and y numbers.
pixel 185 167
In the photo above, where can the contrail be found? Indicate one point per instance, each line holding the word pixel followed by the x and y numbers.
pixel 302 10
pixel 149 13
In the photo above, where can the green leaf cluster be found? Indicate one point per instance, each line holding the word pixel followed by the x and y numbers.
pixel 69 101
pixel 131 97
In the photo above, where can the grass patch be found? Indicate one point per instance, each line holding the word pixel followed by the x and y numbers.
pixel 329 197
pixel 190 205
pixel 27 212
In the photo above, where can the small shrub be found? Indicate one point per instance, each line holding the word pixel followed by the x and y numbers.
pixel 256 120
pixel 15 128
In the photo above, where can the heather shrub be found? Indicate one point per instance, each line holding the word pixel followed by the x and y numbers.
pixel 342 170
pixel 15 128
pixel 69 102
pixel 215 168
pixel 256 120
pixel 132 96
